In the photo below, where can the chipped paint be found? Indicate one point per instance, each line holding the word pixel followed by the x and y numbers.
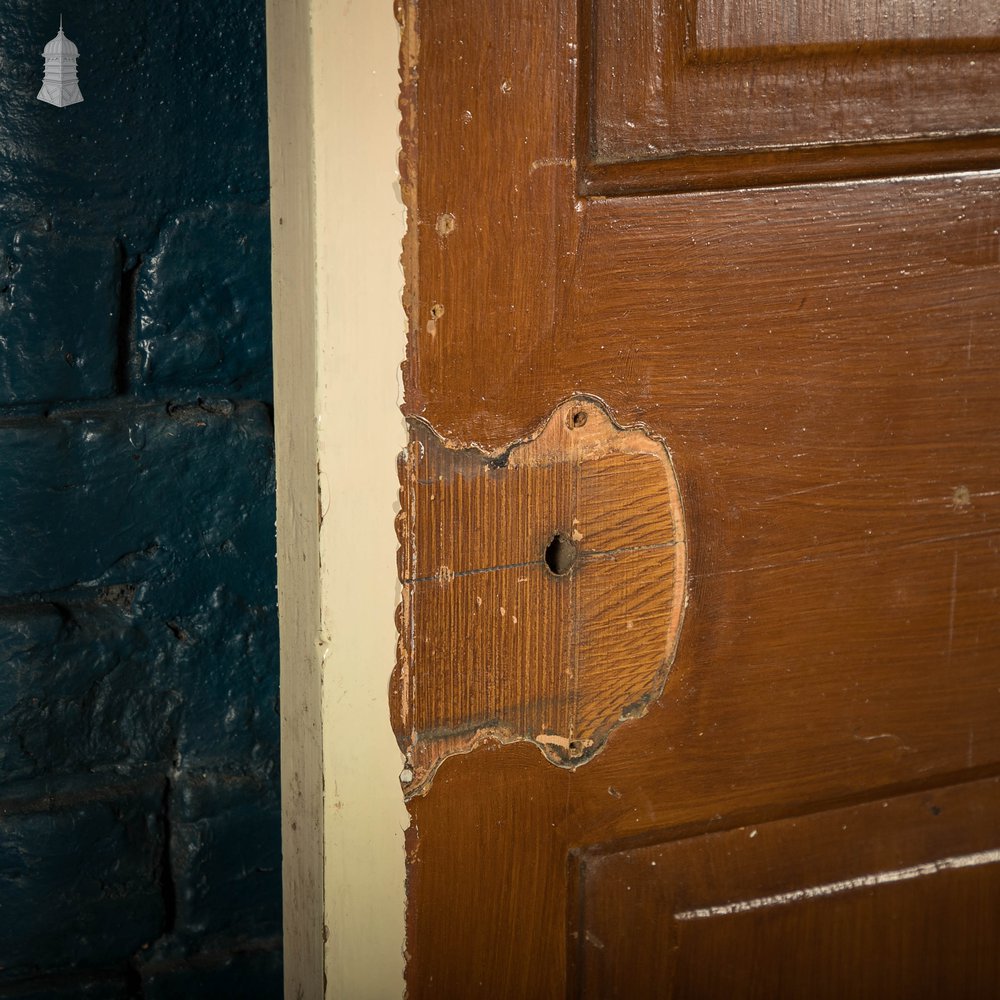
pixel 872 881
pixel 535 535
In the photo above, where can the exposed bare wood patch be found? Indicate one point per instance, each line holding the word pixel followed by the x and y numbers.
pixel 543 588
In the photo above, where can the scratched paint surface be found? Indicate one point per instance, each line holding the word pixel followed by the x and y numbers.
pixel 543 588
pixel 895 914
pixel 822 361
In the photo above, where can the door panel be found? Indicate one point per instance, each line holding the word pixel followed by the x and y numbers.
pixel 821 362
pixel 723 75
pixel 718 93
pixel 782 910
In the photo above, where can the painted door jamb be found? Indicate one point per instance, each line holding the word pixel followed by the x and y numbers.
pixel 339 335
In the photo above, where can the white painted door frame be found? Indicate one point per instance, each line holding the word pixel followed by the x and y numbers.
pixel 339 335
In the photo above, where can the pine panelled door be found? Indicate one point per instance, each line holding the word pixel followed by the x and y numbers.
pixel 699 660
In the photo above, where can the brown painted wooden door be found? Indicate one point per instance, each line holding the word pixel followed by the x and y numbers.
pixel 763 237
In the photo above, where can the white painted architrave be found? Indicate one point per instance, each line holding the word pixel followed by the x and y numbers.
pixel 339 335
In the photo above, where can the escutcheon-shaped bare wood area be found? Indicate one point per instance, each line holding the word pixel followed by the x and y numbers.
pixel 543 588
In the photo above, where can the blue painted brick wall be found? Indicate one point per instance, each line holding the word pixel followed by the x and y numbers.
pixel 139 812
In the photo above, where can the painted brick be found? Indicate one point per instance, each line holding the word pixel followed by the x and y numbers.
pixel 204 305
pixel 227 666
pixel 83 690
pixel 59 292
pixel 80 879
pixel 155 531
pixel 138 629
pixel 248 975
pixel 154 125
pixel 226 854
pixel 75 986
pixel 184 498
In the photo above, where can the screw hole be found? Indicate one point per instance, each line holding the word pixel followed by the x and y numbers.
pixel 560 554
pixel 577 418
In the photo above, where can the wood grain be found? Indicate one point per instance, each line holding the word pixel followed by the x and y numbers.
pixel 706 95
pixel 757 24
pixel 756 911
pixel 536 606
pixel 823 361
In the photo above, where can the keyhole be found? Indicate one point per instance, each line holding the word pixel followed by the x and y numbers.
pixel 560 554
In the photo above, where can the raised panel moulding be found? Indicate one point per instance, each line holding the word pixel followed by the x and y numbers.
pixel 724 94
pixel 763 24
